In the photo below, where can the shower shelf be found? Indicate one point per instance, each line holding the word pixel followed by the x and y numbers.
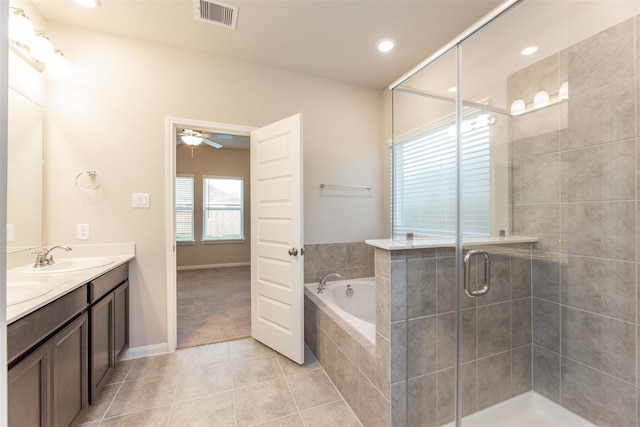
pixel 397 245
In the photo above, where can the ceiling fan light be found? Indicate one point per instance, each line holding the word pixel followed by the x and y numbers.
pixel 191 139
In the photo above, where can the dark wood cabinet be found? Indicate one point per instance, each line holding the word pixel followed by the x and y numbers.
pixel 70 372
pixel 102 346
pixel 29 390
pixel 121 319
pixel 109 320
pixel 49 386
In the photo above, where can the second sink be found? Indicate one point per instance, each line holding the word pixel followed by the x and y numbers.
pixel 18 292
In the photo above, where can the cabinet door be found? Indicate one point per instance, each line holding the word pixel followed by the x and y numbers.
pixel 29 390
pixel 102 354
pixel 69 361
pixel 121 319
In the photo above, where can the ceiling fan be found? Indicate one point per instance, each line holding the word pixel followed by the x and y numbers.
pixel 194 137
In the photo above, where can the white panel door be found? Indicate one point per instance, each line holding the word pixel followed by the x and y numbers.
pixel 277 290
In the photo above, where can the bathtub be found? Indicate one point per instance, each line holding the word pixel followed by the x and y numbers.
pixel 359 309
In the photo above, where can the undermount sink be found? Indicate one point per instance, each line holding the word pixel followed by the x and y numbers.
pixel 67 265
pixel 18 292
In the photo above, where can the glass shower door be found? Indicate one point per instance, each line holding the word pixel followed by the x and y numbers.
pixel 552 332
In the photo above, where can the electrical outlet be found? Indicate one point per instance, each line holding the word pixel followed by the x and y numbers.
pixel 10 233
pixel 83 232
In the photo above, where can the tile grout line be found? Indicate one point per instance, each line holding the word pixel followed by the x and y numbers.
pixel 295 404
pixel 233 388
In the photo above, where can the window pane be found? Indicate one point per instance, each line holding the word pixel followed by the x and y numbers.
pixel 425 181
pixel 184 208
pixel 221 224
pixel 223 208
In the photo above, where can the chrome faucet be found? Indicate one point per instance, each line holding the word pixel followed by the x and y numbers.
pixel 323 281
pixel 44 257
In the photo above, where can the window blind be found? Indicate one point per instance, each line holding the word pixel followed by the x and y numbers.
pixel 424 181
pixel 184 209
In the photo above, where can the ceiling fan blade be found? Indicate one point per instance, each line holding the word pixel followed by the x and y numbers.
pixel 222 135
pixel 212 144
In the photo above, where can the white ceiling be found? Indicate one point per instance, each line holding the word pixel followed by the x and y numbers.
pixel 326 38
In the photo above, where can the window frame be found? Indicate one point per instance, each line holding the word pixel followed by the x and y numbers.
pixel 240 208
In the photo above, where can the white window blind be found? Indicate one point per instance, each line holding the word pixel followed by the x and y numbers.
pixel 223 209
pixel 184 208
pixel 424 181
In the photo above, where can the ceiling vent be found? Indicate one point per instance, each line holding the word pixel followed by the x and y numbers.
pixel 215 12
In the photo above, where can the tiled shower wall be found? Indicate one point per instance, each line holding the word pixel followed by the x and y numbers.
pixel 575 187
pixel 496 332
pixel 352 260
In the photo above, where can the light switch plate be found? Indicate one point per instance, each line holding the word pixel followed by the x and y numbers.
pixel 10 233
pixel 140 200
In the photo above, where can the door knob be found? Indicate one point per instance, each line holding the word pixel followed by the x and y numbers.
pixel 293 251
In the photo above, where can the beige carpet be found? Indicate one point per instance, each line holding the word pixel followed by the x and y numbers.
pixel 214 305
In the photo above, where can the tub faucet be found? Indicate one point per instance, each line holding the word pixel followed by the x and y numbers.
pixel 44 257
pixel 323 281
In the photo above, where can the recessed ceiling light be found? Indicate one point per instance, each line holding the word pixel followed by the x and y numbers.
pixel 453 89
pixel 88 3
pixel 385 45
pixel 529 50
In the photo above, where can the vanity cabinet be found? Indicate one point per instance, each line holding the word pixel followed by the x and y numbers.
pixel 62 354
pixel 48 386
pixel 109 323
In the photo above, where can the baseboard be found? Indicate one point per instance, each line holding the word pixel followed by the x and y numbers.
pixel 202 267
pixel 144 351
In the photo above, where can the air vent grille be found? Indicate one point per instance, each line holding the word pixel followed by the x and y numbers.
pixel 215 12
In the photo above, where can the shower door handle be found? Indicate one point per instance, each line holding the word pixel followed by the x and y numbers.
pixel 467 273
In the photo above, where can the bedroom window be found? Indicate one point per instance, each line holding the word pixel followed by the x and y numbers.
pixel 184 209
pixel 223 209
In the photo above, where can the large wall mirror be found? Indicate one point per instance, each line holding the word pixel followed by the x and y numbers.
pixel 25 170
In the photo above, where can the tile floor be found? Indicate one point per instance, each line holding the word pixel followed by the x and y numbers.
pixel 237 384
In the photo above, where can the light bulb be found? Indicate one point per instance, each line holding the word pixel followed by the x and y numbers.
pixel 385 45
pixel 57 66
pixel 89 3
pixel 541 99
pixel 191 139
pixel 41 48
pixel 563 93
pixel 20 28
pixel 518 107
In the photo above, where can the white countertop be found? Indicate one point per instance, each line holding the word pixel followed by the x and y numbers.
pixel 398 245
pixel 63 283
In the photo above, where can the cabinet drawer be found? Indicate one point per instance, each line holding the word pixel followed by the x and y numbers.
pixel 28 331
pixel 102 285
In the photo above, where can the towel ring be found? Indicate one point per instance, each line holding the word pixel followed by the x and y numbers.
pixel 93 176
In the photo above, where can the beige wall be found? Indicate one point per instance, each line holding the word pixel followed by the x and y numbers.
pixel 214 162
pixel 110 116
